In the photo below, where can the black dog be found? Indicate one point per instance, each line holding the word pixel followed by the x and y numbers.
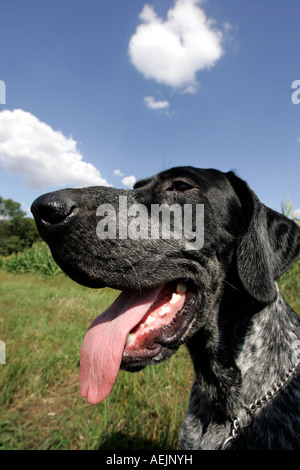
pixel 218 296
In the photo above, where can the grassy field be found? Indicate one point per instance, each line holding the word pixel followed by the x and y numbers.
pixel 42 322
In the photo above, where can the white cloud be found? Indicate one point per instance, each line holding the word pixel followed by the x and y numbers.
pixel 129 181
pixel 117 172
pixel 173 51
pixel 156 105
pixel 45 157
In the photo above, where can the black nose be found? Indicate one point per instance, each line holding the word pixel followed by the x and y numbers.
pixel 52 208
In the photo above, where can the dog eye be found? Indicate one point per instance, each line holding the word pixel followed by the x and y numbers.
pixel 179 186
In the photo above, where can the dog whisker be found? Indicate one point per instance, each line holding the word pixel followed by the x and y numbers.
pixel 139 286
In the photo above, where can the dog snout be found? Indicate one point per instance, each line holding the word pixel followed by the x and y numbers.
pixel 52 208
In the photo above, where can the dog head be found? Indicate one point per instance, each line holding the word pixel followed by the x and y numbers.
pixel 172 245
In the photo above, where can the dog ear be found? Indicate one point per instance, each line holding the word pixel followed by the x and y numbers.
pixel 268 244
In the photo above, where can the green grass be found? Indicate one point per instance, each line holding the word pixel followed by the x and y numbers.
pixel 289 284
pixel 43 321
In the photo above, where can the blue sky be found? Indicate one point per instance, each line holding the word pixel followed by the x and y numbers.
pixel 140 86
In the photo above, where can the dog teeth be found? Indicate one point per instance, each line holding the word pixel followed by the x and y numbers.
pixel 130 339
pixel 164 310
pixel 149 320
pixel 175 298
pixel 181 288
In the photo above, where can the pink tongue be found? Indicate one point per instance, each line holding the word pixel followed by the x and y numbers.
pixel 103 344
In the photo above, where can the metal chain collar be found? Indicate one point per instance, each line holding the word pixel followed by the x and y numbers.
pixel 250 409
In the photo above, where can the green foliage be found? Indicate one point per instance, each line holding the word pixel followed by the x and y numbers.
pixel 10 208
pixel 288 211
pixel 37 258
pixel 16 231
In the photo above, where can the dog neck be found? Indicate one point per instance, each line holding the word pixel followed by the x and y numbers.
pixel 269 349
pixel 235 361
pixel 236 366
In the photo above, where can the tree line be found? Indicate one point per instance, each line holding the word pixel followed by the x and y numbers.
pixel 16 230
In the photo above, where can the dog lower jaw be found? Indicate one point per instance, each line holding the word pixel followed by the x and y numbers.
pixel 137 364
pixel 158 345
pixel 102 350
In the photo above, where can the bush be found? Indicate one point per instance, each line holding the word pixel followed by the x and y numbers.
pixel 38 258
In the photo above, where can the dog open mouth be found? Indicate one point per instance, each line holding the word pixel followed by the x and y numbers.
pixel 136 328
